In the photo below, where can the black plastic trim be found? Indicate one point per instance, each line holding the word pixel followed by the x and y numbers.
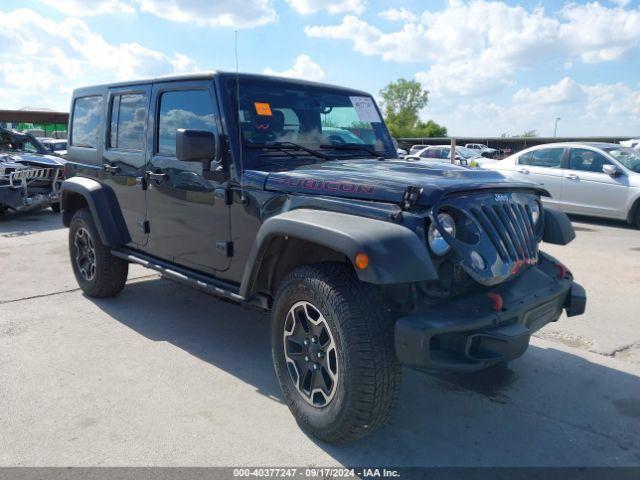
pixel 558 229
pixel 396 254
pixel 104 208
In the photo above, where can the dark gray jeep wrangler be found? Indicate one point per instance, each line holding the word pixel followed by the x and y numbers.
pixel 287 195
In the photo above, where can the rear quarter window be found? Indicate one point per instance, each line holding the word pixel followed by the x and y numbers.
pixel 85 124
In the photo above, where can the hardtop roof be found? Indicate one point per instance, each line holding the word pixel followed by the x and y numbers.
pixel 210 75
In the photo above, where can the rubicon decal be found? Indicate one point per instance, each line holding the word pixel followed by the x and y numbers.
pixel 324 185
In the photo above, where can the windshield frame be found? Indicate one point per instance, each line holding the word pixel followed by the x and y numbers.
pixel 249 155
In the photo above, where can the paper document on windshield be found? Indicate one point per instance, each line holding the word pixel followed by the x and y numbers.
pixel 365 109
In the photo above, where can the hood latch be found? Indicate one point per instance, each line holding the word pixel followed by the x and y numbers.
pixel 410 197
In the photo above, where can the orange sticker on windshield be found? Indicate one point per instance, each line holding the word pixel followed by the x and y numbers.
pixel 263 109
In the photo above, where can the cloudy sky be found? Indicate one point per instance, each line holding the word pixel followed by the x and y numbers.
pixel 491 67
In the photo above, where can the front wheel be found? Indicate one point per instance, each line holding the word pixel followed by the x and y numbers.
pixel 98 273
pixel 332 347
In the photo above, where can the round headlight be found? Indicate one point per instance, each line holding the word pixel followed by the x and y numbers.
pixel 535 212
pixel 437 243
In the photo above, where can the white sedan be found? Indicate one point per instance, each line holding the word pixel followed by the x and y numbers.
pixel 599 179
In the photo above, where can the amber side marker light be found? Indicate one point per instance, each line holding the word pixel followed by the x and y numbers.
pixel 362 261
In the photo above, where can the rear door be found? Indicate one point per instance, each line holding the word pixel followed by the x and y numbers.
pixel 188 224
pixel 543 166
pixel 590 191
pixel 124 154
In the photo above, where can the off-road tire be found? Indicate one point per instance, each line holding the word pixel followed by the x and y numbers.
pixel 362 328
pixel 110 272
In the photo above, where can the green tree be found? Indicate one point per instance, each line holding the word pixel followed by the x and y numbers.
pixel 402 101
pixel 529 134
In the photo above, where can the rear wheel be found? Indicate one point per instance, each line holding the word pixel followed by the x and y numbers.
pixel 332 347
pixel 98 273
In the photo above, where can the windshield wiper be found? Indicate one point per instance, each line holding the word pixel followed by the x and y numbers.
pixel 352 146
pixel 285 146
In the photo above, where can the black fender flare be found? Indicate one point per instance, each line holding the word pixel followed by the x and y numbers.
pixel 396 254
pixel 103 205
pixel 558 228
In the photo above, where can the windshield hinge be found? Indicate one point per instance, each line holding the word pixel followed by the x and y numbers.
pixel 410 197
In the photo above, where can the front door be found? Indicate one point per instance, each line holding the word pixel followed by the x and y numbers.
pixel 543 166
pixel 188 224
pixel 124 154
pixel 590 191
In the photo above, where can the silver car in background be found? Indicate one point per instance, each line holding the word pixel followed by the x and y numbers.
pixel 599 179
pixel 442 153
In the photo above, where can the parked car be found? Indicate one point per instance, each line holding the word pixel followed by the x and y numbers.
pixel 29 177
pixel 366 262
pixel 599 179
pixel 482 149
pixel 417 148
pixel 56 146
pixel 632 143
pixel 442 153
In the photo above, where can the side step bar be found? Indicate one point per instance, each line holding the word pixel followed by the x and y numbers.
pixel 182 275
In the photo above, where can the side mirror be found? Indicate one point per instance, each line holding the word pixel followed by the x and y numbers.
pixel 611 170
pixel 199 146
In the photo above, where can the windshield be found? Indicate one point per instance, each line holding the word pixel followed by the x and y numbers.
pixel 10 143
pixel 626 156
pixel 467 152
pixel 314 117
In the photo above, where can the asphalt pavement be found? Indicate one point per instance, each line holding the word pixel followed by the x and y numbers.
pixel 167 376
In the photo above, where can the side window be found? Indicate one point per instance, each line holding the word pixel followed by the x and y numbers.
pixel 587 160
pixel 432 153
pixel 445 153
pixel 128 116
pixel 86 121
pixel 525 159
pixel 546 157
pixel 188 109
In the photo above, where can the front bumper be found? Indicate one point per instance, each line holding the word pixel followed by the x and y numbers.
pixel 475 331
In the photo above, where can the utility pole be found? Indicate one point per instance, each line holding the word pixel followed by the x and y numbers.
pixel 555 128
pixel 453 150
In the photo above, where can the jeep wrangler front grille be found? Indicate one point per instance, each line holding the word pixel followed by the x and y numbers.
pixel 498 226
pixel 510 229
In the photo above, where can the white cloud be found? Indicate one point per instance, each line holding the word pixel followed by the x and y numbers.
pixel 585 109
pixel 81 8
pixel 212 13
pixel 492 41
pixel 208 13
pixel 398 14
pixel 307 7
pixel 50 58
pixel 564 92
pixel 595 33
pixel 303 67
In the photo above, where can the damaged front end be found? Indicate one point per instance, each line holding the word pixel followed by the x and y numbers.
pixel 29 179
pixel 495 287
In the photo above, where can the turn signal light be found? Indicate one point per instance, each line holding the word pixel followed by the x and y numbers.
pixel 362 261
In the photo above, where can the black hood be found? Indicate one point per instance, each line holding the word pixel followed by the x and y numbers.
pixel 386 180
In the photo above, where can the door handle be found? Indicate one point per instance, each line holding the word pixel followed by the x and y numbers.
pixel 571 176
pixel 111 168
pixel 523 170
pixel 157 176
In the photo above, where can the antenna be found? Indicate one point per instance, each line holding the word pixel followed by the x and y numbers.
pixel 240 141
